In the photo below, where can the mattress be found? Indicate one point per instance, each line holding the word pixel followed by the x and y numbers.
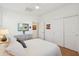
pixel 39 47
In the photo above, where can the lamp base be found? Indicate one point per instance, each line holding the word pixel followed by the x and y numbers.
pixel 4 39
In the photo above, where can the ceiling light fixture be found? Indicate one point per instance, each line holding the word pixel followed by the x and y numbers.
pixel 37 7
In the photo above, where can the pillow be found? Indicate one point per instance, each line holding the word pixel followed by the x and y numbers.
pixel 22 42
pixel 15 48
pixel 24 37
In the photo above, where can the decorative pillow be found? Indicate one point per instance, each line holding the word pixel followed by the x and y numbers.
pixel 15 48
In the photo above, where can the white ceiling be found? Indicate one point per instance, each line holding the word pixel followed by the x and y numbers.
pixel 43 7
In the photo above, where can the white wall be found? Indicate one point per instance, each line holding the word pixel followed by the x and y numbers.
pixel 35 32
pixel 55 34
pixel 56 18
pixel 12 18
pixel 1 16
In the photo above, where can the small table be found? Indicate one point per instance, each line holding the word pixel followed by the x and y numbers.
pixel 3 45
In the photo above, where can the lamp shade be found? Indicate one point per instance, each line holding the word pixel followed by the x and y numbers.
pixel 3 31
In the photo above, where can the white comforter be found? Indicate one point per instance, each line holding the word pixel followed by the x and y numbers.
pixel 39 47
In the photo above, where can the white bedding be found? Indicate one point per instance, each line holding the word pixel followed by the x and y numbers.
pixel 39 47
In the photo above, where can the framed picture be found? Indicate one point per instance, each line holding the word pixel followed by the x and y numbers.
pixel 33 27
pixel 47 26
pixel 23 27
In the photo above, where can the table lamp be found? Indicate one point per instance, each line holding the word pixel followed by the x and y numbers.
pixel 3 33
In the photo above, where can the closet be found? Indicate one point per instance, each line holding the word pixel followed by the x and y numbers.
pixel 71 32
pixel 63 32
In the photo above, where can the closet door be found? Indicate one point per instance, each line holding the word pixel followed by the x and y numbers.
pixel 71 33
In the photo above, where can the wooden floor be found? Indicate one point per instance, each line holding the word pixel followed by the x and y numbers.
pixel 68 52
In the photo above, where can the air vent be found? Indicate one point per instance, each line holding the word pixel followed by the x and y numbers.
pixel 29 9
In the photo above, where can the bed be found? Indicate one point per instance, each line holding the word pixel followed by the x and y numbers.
pixel 39 47
pixel 35 47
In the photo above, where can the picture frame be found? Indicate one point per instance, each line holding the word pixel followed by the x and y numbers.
pixel 34 27
pixel 23 27
pixel 48 26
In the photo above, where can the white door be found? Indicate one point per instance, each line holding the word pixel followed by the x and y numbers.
pixel 71 33
pixel 42 30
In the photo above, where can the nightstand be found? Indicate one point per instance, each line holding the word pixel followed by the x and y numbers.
pixel 3 45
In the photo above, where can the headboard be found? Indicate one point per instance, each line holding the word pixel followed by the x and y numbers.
pixel 24 37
